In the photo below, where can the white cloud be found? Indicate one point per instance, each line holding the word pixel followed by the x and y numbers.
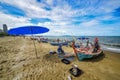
pixel 91 23
pixel 56 28
pixel 60 31
pixel 34 9
pixel 12 21
pixel 61 15
pixel 109 6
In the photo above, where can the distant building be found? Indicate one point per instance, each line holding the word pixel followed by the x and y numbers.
pixel 5 28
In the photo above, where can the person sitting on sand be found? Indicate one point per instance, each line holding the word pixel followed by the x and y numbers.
pixel 64 54
pixel 60 50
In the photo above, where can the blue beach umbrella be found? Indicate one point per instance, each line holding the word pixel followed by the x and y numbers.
pixel 28 30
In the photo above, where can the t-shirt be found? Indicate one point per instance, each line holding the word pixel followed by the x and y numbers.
pixel 60 50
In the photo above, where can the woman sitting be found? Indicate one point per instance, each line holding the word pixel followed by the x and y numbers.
pixel 60 50
pixel 62 53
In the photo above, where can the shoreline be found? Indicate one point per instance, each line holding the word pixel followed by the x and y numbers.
pixel 115 52
pixel 112 49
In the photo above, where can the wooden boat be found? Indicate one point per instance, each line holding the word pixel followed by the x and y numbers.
pixel 81 55
pixel 56 43
pixel 43 40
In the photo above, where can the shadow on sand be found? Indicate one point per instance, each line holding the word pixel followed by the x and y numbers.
pixel 52 57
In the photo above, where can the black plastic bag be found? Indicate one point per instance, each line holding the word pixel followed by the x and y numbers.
pixel 65 61
pixel 78 72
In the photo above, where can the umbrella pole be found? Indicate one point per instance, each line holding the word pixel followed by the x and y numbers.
pixel 34 43
pixel 35 49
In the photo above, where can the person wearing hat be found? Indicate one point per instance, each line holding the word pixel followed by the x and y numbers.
pixel 60 50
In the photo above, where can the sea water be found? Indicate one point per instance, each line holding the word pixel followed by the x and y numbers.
pixel 110 43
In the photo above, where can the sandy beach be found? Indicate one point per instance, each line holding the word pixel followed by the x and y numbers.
pixel 18 62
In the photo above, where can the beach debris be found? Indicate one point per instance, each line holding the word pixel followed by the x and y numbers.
pixel 65 61
pixel 69 77
pixel 52 52
pixel 75 71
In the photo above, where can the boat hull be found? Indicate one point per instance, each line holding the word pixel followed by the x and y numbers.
pixel 82 56
pixel 56 44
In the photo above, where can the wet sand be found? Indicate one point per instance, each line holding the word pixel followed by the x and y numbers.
pixel 18 62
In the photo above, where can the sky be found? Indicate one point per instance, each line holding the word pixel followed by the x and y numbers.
pixel 64 17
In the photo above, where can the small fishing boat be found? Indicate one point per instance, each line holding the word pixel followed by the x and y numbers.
pixel 56 43
pixel 85 53
pixel 44 40
pixel 81 56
